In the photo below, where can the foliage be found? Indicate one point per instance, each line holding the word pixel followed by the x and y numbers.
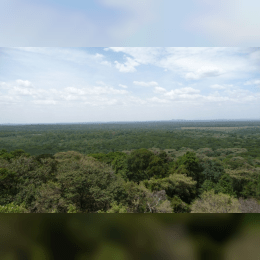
pixel 117 208
pixel 48 198
pixel 212 170
pixel 225 185
pixel 142 200
pixel 108 137
pixel 249 205
pixel 209 202
pixel 8 185
pixel 179 206
pixel 176 184
pixel 143 164
pixel 12 208
pixel 206 186
pixel 72 209
pixel 87 184
pixel 252 189
pixel 135 167
pixel 189 165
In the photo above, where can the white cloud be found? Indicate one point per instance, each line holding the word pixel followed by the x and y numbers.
pixel 159 90
pixel 75 91
pixel 122 86
pixel 214 98
pixel 186 93
pixel 21 91
pixel 217 86
pixel 102 90
pixel 186 90
pixel 101 59
pixel 253 82
pixel 4 85
pixel 194 62
pixel 146 84
pixel 24 83
pixel 44 102
pixel 136 100
pixel 147 55
pixel 73 81
pixel 128 66
pixel 93 95
pixel 204 72
pixel 67 54
pixel 158 100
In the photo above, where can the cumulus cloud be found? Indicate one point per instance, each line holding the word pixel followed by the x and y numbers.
pixel 122 86
pixel 186 93
pixel 204 72
pixel 53 96
pixel 44 102
pixel 24 83
pixel 159 90
pixel 147 55
pixel 128 66
pixel 186 90
pixel 4 85
pixel 253 82
pixel 145 84
pixel 193 63
pixel 95 90
pixel 158 100
pixel 76 79
pixel 217 86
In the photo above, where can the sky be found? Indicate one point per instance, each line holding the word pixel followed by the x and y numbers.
pixel 93 84
pixel 129 23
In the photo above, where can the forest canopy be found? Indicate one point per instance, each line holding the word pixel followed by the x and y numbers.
pixel 135 168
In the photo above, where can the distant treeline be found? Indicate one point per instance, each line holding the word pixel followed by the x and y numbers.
pixel 107 137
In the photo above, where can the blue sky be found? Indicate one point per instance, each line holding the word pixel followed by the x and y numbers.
pixel 51 85
pixel 190 23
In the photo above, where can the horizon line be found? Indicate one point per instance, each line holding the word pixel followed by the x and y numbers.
pixel 107 122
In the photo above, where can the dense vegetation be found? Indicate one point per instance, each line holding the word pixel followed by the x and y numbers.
pixel 195 167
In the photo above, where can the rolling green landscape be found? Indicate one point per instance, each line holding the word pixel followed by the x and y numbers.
pixel 142 167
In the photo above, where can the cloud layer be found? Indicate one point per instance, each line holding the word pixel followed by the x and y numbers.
pixel 86 84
